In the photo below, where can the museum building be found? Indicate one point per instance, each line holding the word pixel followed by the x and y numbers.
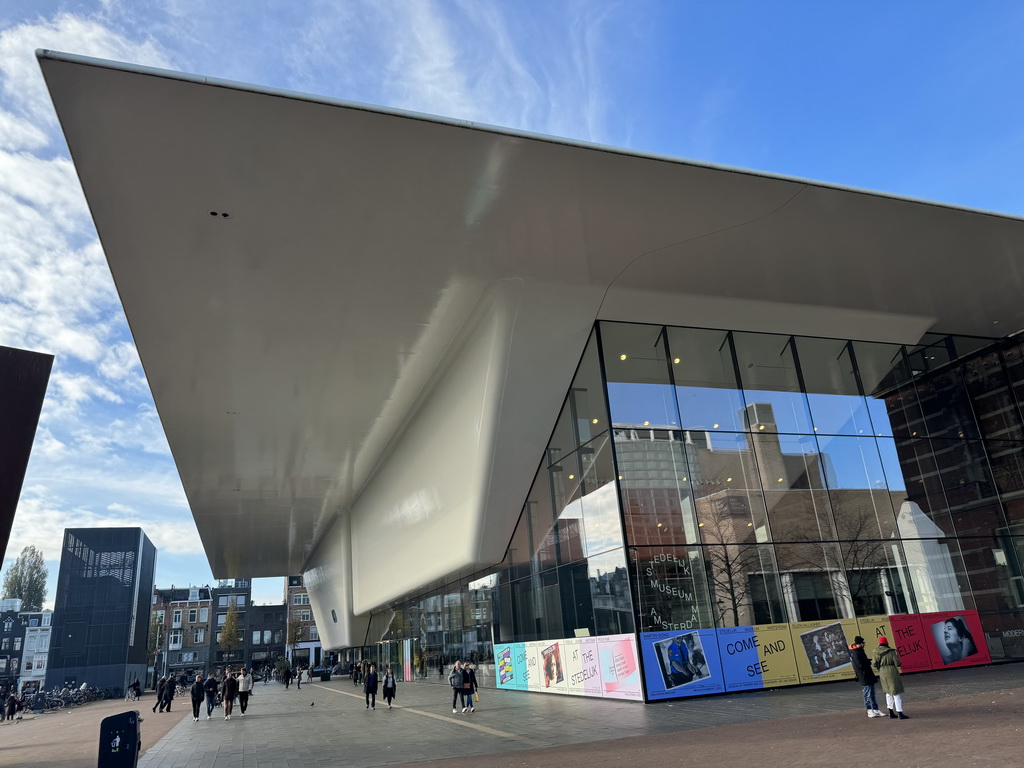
pixel 604 423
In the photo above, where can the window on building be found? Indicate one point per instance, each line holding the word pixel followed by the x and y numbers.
pixel 300 599
pixel 177 617
pixel 46 619
pixel 313 633
pixel 193 595
pixel 174 639
pixel 221 618
pixel 256 636
pixel 199 635
pixel 204 615
pixel 193 614
pixel 267 634
pixel 5 644
pixel 240 600
pixel 278 636
pixel 218 640
pixel 222 601
pixel 17 643
pixel 33 622
pixel 8 623
pixel 160 617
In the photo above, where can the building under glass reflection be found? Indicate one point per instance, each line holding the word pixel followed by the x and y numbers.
pixel 705 485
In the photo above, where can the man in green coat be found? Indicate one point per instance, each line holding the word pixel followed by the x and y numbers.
pixel 887 665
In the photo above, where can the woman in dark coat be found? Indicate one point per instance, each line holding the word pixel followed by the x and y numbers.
pixel 168 695
pixel 887 664
pixel 230 692
pixel 390 687
pixel 198 694
pixel 160 686
pixel 370 687
pixel 865 676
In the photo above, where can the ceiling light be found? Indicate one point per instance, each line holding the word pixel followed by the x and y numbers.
pixel 659 525
pixel 760 426
pixel 700 525
pixel 622 357
pixel 728 479
pixel 684 479
pixel 647 423
pixel 572 477
pixel 594 421
pixel 676 361
pixel 620 477
pixel 780 479
pixel 716 426
pixel 750 525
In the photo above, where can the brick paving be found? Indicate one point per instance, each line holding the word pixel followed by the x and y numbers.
pixel 965 716
pixel 327 724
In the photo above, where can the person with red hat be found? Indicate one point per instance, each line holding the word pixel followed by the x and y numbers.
pixel 887 664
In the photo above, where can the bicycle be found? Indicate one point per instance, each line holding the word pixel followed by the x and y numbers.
pixel 131 695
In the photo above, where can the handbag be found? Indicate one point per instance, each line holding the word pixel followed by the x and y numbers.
pixel 476 697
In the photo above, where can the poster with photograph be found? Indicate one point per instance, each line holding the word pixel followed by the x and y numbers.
pixel 681 663
pixel 823 649
pixel 620 671
pixel 552 672
pixel 955 638
pixel 907 636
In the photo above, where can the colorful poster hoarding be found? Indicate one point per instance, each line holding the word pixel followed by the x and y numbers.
pixel 776 654
pixel 908 638
pixel 822 649
pixel 741 662
pixel 955 639
pixel 582 666
pixel 871 628
pixel 681 663
pixel 510 666
pixel 551 675
pixel 620 671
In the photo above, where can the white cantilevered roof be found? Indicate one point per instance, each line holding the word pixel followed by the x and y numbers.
pixel 289 345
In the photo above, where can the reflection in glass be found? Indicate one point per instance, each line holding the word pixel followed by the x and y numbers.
pixel 704 373
pixel 833 391
pixel 768 373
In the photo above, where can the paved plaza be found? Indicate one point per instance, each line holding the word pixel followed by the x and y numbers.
pixel 968 716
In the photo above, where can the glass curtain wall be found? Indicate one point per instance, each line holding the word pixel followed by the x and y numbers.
pixel 770 479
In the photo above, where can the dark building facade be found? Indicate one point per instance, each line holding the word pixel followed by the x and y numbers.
pixel 102 608
pixel 23 379
pixel 236 593
pixel 12 638
pixel 268 633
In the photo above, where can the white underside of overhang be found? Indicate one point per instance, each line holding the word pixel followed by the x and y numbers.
pixel 358 370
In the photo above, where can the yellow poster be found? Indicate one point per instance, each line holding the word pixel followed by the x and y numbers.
pixel 776 655
pixel 872 628
pixel 822 649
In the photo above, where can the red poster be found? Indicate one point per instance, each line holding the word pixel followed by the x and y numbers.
pixel 911 641
pixel 955 639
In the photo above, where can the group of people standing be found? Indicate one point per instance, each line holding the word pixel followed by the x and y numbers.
pixel 883 668
pixel 222 693
pixel 371 682
pixel 462 679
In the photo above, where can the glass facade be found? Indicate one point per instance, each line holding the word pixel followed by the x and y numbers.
pixel 701 484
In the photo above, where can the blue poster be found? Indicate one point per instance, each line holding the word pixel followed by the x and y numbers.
pixel 741 662
pixel 681 663
pixel 510 666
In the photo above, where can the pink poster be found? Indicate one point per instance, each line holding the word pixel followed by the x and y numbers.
pixel 620 672
pixel 955 639
pixel 908 638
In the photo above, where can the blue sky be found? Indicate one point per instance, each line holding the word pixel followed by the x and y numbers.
pixel 922 100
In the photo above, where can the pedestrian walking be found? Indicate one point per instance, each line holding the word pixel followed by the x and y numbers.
pixel 168 694
pixel 469 687
pixel 197 694
pixel 390 687
pixel 230 691
pixel 12 705
pixel 887 665
pixel 370 687
pixel 865 676
pixel 210 687
pixel 245 684
pixel 298 677
pixel 287 675
pixel 455 681
pixel 160 686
